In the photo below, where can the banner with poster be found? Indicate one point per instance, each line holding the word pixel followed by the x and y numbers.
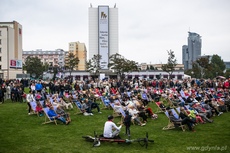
pixel 103 35
pixel 17 64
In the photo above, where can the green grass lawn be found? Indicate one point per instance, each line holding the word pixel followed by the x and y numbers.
pixel 21 133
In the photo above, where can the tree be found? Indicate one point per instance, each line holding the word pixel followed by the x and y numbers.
pixel 93 65
pixel 71 62
pixel 205 68
pixel 121 65
pixel 217 65
pixel 227 73
pixel 151 67
pixel 33 65
pixel 46 66
pixel 171 64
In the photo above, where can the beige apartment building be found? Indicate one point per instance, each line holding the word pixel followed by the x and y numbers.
pixel 79 50
pixel 10 49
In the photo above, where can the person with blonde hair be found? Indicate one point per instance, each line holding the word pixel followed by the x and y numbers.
pixel 135 115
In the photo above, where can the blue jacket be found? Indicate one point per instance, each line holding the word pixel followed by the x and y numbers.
pixel 51 113
pixel 38 86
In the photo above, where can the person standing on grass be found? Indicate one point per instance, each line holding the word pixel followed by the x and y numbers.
pixel 127 123
pixel 1 95
pixel 38 86
pixel 29 98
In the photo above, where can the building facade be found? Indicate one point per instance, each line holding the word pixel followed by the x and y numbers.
pixel 79 50
pixel 227 65
pixel 52 57
pixel 103 33
pixel 10 49
pixel 192 51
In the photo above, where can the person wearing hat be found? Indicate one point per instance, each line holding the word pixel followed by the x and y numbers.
pixel 110 128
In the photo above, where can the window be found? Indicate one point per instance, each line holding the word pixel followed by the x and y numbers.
pixel 0 50
pixel 0 58
pixel 0 41
pixel 0 67
pixel 0 33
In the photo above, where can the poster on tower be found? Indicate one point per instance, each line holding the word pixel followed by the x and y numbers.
pixel 103 35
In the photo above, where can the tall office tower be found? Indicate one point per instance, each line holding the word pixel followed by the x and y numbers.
pixel 79 50
pixel 192 51
pixel 10 49
pixel 103 33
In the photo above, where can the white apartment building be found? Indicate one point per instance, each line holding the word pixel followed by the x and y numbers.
pixel 103 33
pixel 10 49
pixel 52 57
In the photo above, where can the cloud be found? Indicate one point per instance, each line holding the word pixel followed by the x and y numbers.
pixel 147 29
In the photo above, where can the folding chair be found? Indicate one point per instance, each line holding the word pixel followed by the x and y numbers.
pixel 106 106
pixel 159 109
pixel 33 105
pixel 172 125
pixel 178 110
pixel 79 107
pixel 47 118
pixel 115 114
pixel 122 115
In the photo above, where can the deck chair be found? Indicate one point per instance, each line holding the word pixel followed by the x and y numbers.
pixel 115 114
pixel 186 107
pixel 122 116
pixel 79 107
pixel 159 109
pixel 170 102
pixel 178 110
pixel 172 125
pixel 105 105
pixel 47 118
pixel 42 102
pixel 33 107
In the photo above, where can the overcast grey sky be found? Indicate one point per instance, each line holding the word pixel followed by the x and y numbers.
pixel 147 28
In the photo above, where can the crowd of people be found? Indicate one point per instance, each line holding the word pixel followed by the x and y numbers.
pixel 205 98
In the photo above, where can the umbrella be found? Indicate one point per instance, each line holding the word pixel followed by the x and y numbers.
pixel 220 77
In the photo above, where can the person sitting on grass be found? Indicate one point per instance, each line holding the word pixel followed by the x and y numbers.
pixel 86 109
pixel 110 129
pixel 92 105
pixel 53 115
pixel 62 113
